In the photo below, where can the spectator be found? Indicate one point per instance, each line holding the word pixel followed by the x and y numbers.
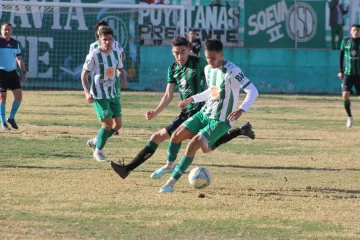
pixel 194 43
pixel 336 22
pixel 218 3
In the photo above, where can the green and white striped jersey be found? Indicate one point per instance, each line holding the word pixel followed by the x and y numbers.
pixel 103 72
pixel 223 91
pixel 96 45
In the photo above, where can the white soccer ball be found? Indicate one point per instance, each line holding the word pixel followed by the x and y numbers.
pixel 199 178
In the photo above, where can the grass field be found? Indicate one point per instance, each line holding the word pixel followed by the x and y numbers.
pixel 299 179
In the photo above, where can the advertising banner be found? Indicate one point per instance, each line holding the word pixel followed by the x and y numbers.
pixel 284 24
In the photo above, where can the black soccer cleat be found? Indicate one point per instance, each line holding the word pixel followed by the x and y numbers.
pixel 12 123
pixel 246 130
pixel 120 169
pixel 116 133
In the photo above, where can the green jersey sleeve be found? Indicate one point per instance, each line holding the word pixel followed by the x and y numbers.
pixel 170 76
pixel 342 46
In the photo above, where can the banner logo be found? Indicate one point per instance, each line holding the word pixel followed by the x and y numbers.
pixel 301 22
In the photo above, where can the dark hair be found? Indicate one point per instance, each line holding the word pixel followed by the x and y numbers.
pixel 213 45
pixel 99 24
pixel 355 25
pixel 105 31
pixel 179 41
pixel 191 30
pixel 6 23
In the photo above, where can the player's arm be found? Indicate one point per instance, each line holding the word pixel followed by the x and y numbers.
pixel 22 67
pixel 120 49
pixel 200 97
pixel 88 66
pixel 341 60
pixel 239 80
pixel 120 70
pixel 123 80
pixel 21 63
pixel 164 102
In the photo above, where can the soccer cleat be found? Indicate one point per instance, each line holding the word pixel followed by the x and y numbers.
pixel 116 133
pixel 120 169
pixel 12 123
pixel 167 188
pixel 5 127
pixel 100 157
pixel 91 144
pixel 349 122
pixel 160 172
pixel 246 130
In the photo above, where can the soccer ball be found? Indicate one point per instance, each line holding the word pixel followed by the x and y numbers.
pixel 199 178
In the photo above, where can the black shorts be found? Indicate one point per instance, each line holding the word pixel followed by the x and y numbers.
pixel 350 81
pixel 179 120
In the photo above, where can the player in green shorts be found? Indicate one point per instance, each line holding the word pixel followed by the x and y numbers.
pixel 187 74
pixel 216 117
pixel 349 69
pixel 115 47
pixel 104 64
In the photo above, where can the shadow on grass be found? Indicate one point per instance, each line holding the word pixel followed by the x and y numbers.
pixel 293 139
pixel 282 168
pixel 48 167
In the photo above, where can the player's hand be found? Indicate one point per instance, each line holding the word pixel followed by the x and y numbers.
pixel 150 115
pixel 89 97
pixel 182 104
pixel 235 115
pixel 185 102
pixel 123 84
pixel 24 77
pixel 341 75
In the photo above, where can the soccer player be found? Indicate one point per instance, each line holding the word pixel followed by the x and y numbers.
pixel 103 93
pixel 349 68
pixel 115 46
pixel 9 78
pixel 187 73
pixel 224 80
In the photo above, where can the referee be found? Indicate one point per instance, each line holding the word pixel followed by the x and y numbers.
pixel 9 78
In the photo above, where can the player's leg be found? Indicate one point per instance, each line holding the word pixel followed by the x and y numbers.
pixel 147 152
pixel 346 87
pixel 3 94
pixel 115 106
pixel 104 113
pixel 15 86
pixel 206 137
pixel 150 148
pixel 3 110
pixel 174 146
pixel 185 131
pixel 245 130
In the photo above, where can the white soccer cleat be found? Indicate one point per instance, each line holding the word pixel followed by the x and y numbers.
pixel 100 157
pixel 160 172
pixel 92 144
pixel 349 122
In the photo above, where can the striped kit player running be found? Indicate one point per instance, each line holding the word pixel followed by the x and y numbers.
pixel 104 65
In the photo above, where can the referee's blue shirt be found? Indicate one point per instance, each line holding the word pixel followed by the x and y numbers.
pixel 9 50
